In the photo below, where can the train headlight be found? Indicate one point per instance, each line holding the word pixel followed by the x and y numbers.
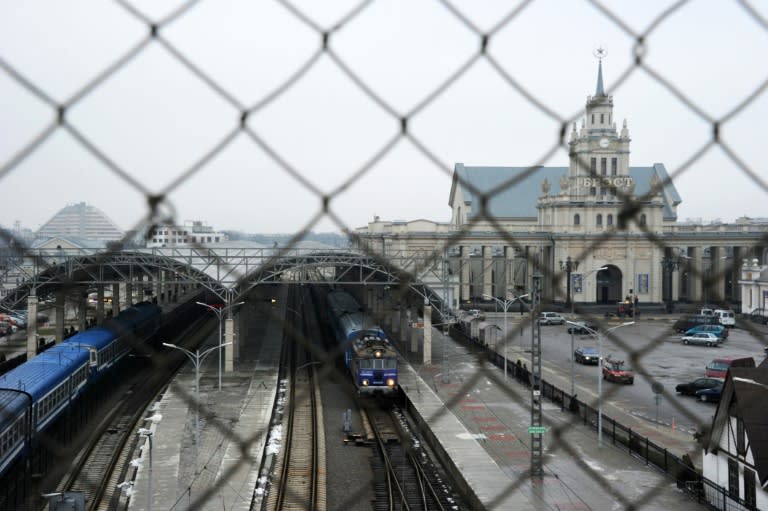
pixel 364 382
pixel 377 354
pixel 390 382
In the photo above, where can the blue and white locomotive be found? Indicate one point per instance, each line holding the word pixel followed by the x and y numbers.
pixel 368 354
pixel 38 391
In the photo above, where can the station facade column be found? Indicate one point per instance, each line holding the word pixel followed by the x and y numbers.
pixel 128 293
pixel 509 271
pixel 464 274
pixel 31 326
pixel 716 275
pixel 695 274
pixel 487 270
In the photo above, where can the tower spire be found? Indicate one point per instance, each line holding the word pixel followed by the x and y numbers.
pixel 600 53
pixel 600 91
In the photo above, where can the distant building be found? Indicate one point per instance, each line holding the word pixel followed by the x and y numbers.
pixel 192 232
pixel 81 221
pixel 597 230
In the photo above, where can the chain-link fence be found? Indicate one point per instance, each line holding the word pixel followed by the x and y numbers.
pixel 316 41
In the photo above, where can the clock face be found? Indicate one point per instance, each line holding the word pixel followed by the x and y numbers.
pixel 604 142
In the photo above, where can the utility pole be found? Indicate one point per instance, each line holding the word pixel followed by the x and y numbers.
pixel 536 428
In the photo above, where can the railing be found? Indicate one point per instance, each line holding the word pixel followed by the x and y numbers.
pixel 688 478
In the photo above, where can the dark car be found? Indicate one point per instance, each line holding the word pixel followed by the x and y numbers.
pixel 711 395
pixel 690 388
pixel 718 330
pixel 687 322
pixel 586 355
pixel 617 371
pixel 582 327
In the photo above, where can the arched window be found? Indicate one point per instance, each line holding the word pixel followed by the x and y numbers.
pixel 642 219
pixel 599 219
pixel 610 219
pixel 576 219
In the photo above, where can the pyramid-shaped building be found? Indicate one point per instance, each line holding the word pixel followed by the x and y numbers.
pixel 81 221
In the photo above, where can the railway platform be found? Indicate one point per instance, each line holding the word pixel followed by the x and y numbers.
pixel 482 425
pixel 233 426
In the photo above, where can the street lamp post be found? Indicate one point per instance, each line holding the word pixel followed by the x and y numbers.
pixel 600 380
pixel 219 311
pixel 568 266
pixel 148 434
pixel 196 358
pixel 505 303
pixel 599 372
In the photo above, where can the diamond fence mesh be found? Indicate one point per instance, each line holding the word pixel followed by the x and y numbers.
pixel 237 122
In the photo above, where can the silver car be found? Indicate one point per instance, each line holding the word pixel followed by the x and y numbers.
pixel 701 338
pixel 551 318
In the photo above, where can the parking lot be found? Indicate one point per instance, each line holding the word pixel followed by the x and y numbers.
pixel 653 350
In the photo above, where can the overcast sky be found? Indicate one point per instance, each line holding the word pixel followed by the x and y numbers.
pixel 153 119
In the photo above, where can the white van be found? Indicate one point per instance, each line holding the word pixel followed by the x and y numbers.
pixel 726 318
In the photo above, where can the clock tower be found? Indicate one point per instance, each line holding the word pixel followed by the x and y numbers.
pixel 599 154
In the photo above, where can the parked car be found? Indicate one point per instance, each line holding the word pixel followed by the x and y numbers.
pixel 719 366
pixel 582 327
pixel 701 339
pixel 551 318
pixel 586 355
pixel 476 314
pixel 727 318
pixel 617 371
pixel 690 388
pixel 687 322
pixel 710 395
pixel 718 330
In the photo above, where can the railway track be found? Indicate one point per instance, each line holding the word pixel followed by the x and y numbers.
pixel 298 481
pixel 104 461
pixel 405 478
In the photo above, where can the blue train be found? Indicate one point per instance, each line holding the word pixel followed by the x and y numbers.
pixel 35 393
pixel 368 354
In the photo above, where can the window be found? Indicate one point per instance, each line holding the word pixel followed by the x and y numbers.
pixel 603 191
pixel 599 219
pixel 610 219
pixel 603 166
pixel 749 487
pixel 614 166
pixel 592 165
pixel 642 219
pixel 576 219
pixel 593 118
pixel 740 444
pixel 593 191
pixel 733 479
pixel 602 118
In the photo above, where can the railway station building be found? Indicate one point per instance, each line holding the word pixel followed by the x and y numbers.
pixel 608 228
